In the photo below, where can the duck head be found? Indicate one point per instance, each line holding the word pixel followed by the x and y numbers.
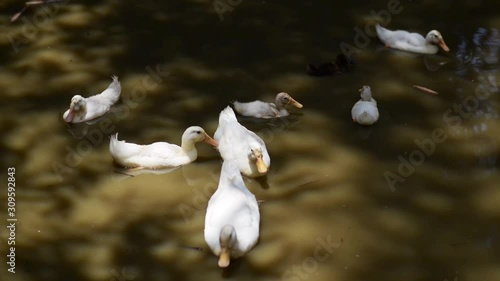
pixel 366 93
pixel 77 107
pixel 196 134
pixel 256 155
pixel 436 38
pixel 227 239
pixel 283 99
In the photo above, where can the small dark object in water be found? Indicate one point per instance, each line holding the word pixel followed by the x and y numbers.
pixel 342 64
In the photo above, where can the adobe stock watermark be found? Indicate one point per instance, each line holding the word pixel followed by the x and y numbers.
pixel 223 6
pixel 453 118
pixel 122 276
pixel 323 251
pixel 31 26
pixel 362 37
pixel 455 279
pixel 200 198
pixel 105 126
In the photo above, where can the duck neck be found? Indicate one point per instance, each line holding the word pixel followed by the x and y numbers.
pixel 188 147
pixel 431 47
pixel 366 95
pixel 227 236
pixel 231 177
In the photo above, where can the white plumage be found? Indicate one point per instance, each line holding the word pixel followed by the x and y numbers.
pixel 232 219
pixel 365 111
pixel 260 109
pixel 159 154
pixel 412 42
pixel 85 109
pixel 235 142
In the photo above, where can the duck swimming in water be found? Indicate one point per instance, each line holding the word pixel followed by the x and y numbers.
pixel 365 111
pixel 241 145
pixel 85 109
pixel 159 155
pixel 232 219
pixel 260 109
pixel 412 42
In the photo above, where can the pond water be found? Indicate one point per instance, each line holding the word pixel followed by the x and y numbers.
pixel 414 197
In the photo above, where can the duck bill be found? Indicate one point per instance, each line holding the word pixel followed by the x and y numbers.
pixel 443 45
pixel 296 103
pixel 261 167
pixel 68 118
pixel 224 258
pixel 210 141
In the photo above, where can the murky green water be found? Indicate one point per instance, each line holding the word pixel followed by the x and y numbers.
pixel 414 197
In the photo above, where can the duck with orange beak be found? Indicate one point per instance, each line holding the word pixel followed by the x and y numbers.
pixel 412 42
pixel 232 220
pixel 243 146
pixel 260 109
pixel 159 155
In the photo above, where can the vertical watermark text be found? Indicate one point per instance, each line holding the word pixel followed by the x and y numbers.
pixel 11 219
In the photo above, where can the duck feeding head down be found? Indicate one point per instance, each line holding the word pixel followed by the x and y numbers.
pixel 196 134
pixel 77 108
pixel 256 155
pixel 283 99
pixel 435 37
pixel 227 240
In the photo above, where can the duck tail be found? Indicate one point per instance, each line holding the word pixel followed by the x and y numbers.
pixel 113 144
pixel 237 106
pixel 378 27
pixel 382 32
pixel 113 92
pixel 118 148
pixel 227 115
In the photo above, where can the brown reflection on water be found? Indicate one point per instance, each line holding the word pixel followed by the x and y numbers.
pixel 89 221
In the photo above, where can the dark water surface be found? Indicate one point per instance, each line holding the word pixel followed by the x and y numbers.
pixel 414 197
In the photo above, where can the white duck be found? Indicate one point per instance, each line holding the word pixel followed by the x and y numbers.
pixel 260 109
pixel 232 219
pixel 365 111
pixel 241 145
pixel 159 154
pixel 412 42
pixel 85 109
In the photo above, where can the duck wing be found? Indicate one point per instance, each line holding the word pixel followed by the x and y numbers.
pixel 109 96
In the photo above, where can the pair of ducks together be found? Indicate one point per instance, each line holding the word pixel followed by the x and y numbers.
pixel 365 111
pixel 232 219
